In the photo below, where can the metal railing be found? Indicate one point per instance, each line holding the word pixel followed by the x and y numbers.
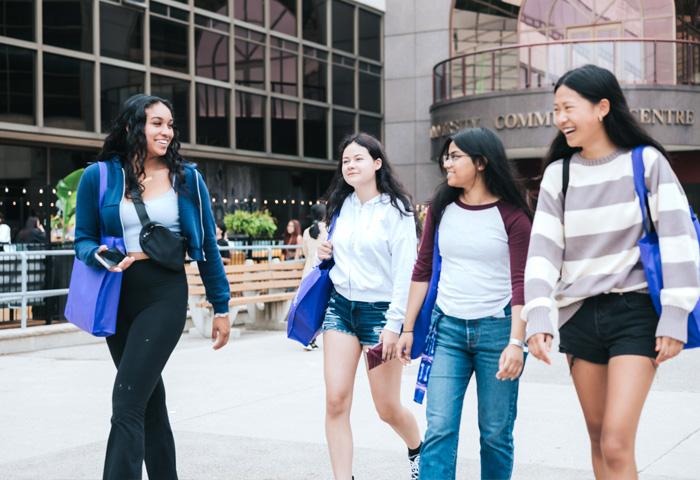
pixel 24 294
pixel 634 61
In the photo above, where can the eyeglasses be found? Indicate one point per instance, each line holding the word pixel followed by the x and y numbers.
pixel 451 157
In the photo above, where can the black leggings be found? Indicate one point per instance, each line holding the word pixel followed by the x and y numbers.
pixel 152 309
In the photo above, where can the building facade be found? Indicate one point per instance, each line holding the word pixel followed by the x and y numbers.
pixel 493 64
pixel 262 91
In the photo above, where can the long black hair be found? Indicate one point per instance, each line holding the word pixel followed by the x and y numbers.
pixel 126 140
pixel 595 84
pixel 485 149
pixel 318 214
pixel 385 177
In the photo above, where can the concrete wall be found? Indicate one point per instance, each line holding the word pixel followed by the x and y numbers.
pixel 416 37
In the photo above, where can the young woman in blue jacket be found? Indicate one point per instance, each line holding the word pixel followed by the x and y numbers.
pixel 141 152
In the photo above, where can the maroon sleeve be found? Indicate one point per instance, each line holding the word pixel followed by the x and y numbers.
pixel 518 227
pixel 423 268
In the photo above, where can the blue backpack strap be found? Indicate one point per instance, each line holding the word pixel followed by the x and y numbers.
pixel 103 188
pixel 641 188
pixel 331 227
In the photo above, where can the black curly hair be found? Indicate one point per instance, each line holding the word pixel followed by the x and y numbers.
pixel 127 141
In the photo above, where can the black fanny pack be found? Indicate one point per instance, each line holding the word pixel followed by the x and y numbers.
pixel 163 246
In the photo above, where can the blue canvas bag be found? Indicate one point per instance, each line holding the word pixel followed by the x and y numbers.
pixel 309 305
pixel 650 252
pixel 93 294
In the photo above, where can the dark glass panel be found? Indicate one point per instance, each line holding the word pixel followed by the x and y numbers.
pixel 283 16
pixel 178 93
pixel 370 92
pixel 121 32
pixel 212 115
pixel 343 26
pixel 211 54
pixel 283 71
pixel 17 67
pixel 218 6
pixel 371 125
pixel 68 24
pixel 285 116
pixel 250 60
pixel 343 124
pixel 117 84
pixel 315 132
pixel 250 121
pixel 168 44
pixel 252 11
pixel 343 86
pixel 313 18
pixel 315 80
pixel 17 19
pixel 68 93
pixel 369 35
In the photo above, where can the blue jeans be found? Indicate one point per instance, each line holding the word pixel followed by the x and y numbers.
pixel 464 347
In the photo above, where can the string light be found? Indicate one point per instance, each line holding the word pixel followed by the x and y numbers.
pixel 225 200
pixel 7 190
pixel 41 204
pixel 302 202
pixel 276 202
pixel 235 201
pixel 213 199
pixel 293 202
pixel 265 202
pixel 29 204
pixel 41 191
pixel 14 204
pixel 51 204
pixel 24 191
pixel 255 200
pixel 284 202
pixel 53 191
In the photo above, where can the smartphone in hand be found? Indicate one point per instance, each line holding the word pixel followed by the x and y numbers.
pixel 109 258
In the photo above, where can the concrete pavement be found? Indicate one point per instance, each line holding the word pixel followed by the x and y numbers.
pixel 254 410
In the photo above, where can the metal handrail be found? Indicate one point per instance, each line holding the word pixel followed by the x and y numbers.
pixel 446 92
pixel 24 294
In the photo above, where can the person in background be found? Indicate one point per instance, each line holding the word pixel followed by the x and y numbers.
pixel 223 242
pixel 5 232
pixel 292 236
pixel 33 232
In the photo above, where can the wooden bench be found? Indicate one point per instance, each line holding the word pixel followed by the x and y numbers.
pixel 265 289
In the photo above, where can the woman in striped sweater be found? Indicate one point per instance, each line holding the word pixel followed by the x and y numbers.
pixel 584 270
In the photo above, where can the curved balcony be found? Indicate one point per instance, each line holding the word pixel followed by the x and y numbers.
pixel 634 62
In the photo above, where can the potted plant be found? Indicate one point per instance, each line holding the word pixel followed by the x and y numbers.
pixel 244 224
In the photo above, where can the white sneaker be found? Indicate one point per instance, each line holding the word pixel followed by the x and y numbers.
pixel 415 466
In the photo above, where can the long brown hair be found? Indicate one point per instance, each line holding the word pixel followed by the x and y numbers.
pixel 291 239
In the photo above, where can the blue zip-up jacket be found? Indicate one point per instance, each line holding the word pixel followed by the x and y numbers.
pixel 196 224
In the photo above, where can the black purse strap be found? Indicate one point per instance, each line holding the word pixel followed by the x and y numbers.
pixel 140 208
pixel 565 176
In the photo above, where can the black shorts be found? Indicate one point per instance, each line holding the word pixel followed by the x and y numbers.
pixel 609 325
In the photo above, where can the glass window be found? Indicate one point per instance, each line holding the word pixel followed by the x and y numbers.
pixel 212 115
pixel 283 16
pixel 343 124
pixel 283 67
pixel 168 44
pixel 369 35
pixel 68 24
pixel 343 26
pixel 252 11
pixel 343 83
pixel 68 93
pixel 371 125
pixel 370 91
pixel 315 132
pixel 250 58
pixel 218 6
pixel 314 77
pixel 17 85
pixel 211 54
pixel 313 21
pixel 17 19
pixel 250 121
pixel 116 85
pixel 285 116
pixel 121 32
pixel 178 93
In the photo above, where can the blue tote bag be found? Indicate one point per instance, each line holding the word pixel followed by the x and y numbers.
pixel 93 294
pixel 650 252
pixel 310 303
pixel 421 328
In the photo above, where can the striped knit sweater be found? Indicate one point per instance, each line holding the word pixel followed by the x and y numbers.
pixel 586 244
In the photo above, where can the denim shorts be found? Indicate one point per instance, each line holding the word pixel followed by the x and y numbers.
pixel 364 320
pixel 611 324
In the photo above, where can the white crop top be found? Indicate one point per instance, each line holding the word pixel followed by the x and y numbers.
pixel 161 209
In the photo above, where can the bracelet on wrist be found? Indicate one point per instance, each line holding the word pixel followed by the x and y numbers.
pixel 517 342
